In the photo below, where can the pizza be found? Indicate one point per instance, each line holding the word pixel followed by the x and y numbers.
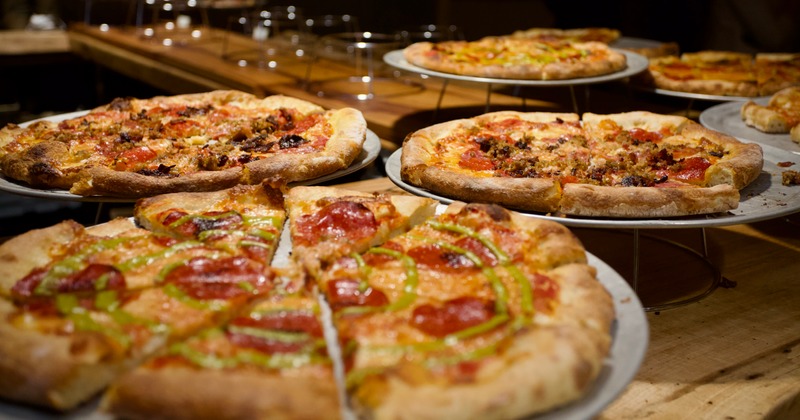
pixel 454 311
pixel 194 142
pixel 592 34
pixel 328 222
pixel 478 313
pixel 609 36
pixel 94 302
pixel 780 115
pixel 629 165
pixel 517 58
pixel 270 361
pixel 725 73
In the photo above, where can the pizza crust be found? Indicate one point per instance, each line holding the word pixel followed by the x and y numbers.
pixel 51 370
pixel 780 115
pixel 626 202
pixel 763 118
pixel 176 392
pixel 552 366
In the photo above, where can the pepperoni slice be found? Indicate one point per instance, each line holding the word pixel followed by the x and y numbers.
pixel 438 258
pixel 476 247
pixel 644 135
pixel 545 292
pixel 133 158
pixel 475 160
pixel 692 169
pixel 265 345
pixel 85 280
pixel 452 316
pixel 205 278
pixel 375 259
pixel 341 220
pixel 346 292
pixel 283 321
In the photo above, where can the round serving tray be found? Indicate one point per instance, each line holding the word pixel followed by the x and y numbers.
pixel 636 64
pixel 765 198
pixel 727 119
pixel 629 332
pixel 369 152
pixel 698 96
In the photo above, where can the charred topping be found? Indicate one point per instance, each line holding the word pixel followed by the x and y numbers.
pixel 259 143
pixel 211 161
pixel 161 171
pixel 191 111
pixel 290 140
pixel 636 181
pixel 120 104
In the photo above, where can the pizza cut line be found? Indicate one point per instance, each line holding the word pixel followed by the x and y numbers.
pixel 454 311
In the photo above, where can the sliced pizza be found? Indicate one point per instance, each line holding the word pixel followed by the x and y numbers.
pixel 246 219
pixel 780 115
pixel 477 313
pixel 59 351
pixel 329 222
pixel 269 362
pixel 68 258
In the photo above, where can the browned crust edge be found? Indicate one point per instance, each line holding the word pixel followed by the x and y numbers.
pixel 235 394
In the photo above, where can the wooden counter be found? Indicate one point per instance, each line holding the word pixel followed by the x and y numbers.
pixel 733 355
pixel 199 66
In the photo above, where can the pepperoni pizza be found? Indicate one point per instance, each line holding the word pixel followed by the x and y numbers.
pixel 195 142
pixel 189 317
pixel 724 73
pixel 629 165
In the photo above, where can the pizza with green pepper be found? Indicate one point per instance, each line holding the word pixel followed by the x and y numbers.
pixel 183 311
pixel 477 313
pixel 517 58
pixel 629 165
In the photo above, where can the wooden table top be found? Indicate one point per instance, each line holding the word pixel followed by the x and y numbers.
pixel 733 355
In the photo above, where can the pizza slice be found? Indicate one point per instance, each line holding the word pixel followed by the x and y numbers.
pixel 329 222
pixel 269 362
pixel 705 72
pixel 683 167
pixel 777 71
pixel 780 115
pixel 247 218
pixel 60 350
pixel 478 312
pixel 69 257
